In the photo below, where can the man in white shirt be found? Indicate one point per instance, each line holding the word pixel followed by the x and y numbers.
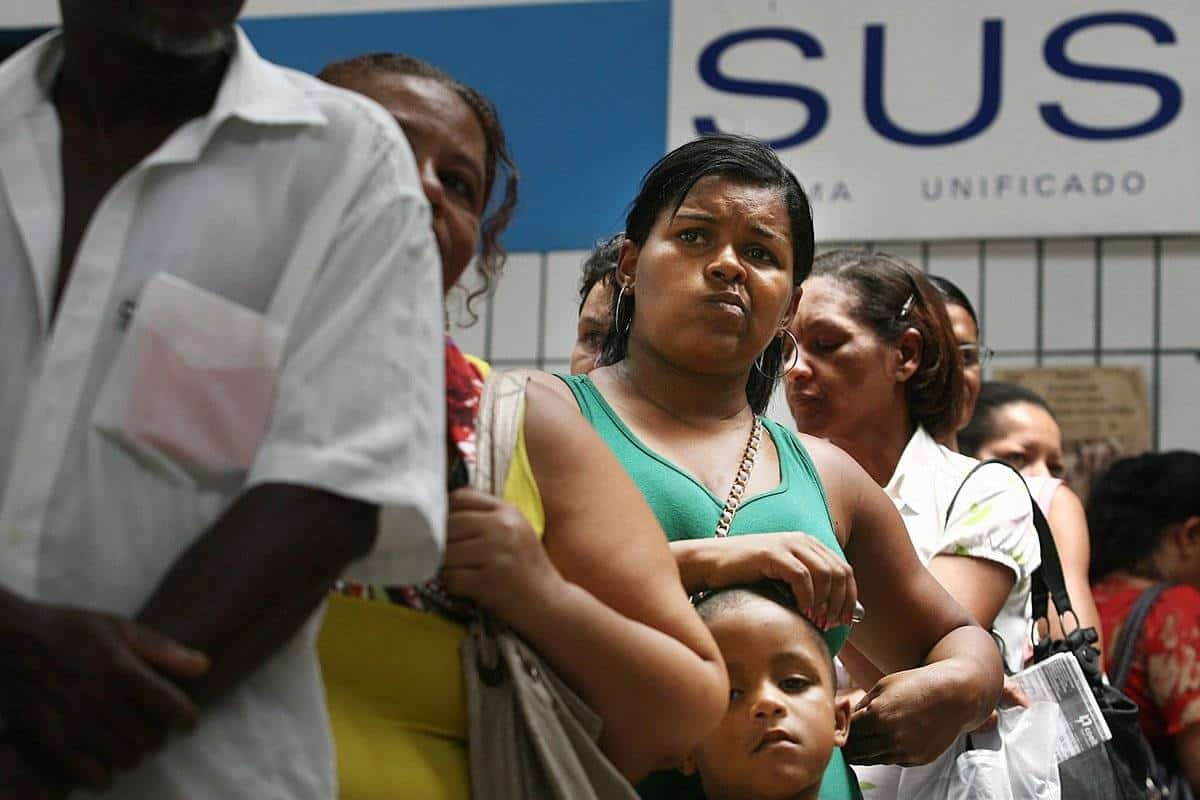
pixel 220 323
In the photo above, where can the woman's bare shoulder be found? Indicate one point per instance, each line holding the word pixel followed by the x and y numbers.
pixel 556 434
pixel 838 471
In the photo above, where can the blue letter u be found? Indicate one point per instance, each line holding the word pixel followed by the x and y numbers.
pixel 989 105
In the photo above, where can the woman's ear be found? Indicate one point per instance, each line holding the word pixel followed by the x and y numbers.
pixel 627 265
pixel 1187 536
pixel 909 348
pixel 841 719
pixel 790 312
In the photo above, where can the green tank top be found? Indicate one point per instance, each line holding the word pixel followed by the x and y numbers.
pixel 687 509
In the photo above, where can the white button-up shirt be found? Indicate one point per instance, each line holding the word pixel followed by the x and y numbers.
pixel 285 175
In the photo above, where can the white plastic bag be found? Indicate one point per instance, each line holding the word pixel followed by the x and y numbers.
pixel 1014 763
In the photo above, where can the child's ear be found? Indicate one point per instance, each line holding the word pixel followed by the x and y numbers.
pixel 688 766
pixel 841 719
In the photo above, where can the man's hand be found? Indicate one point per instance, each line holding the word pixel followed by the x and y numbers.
pixel 87 692
pixel 19 780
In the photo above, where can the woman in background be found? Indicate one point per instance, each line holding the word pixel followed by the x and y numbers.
pixel 1144 514
pixel 1015 424
pixel 878 372
pixel 964 322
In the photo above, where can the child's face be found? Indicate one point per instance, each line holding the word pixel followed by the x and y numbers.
pixel 783 720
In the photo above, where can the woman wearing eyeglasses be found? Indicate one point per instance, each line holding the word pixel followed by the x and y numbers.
pixel 975 356
pixel 876 369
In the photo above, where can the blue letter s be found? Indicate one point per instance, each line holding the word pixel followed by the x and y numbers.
pixel 1170 96
pixel 818 107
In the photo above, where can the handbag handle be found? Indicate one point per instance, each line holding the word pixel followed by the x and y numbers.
pixel 496 428
pixel 1047 580
pixel 1131 633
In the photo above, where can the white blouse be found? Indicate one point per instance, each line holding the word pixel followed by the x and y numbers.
pixel 992 518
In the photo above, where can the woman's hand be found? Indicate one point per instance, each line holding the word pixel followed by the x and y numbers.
pixel 494 557
pixel 908 718
pixel 822 581
pixel 1010 697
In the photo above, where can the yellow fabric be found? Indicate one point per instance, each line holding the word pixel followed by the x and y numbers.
pixel 394 688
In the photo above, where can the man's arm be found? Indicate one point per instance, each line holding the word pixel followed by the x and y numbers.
pixel 252 580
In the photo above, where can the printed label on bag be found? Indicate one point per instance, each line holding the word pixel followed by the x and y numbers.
pixel 1059 680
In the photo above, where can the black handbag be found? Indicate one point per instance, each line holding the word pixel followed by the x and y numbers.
pixel 1118 769
pixel 1163 781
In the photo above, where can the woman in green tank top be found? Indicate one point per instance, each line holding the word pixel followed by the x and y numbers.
pixel 717 243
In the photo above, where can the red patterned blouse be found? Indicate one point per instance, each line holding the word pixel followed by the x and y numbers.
pixel 1165 677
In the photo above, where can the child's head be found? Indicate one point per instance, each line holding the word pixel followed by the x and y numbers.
pixel 784 719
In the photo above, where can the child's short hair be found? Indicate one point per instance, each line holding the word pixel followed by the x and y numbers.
pixel 712 604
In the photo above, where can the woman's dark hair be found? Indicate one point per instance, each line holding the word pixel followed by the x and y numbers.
pixel 600 266
pixel 1131 505
pixel 351 73
pixel 954 296
pixel 890 296
pixel 666 186
pixel 983 427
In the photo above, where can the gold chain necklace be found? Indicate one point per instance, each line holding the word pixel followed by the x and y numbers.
pixel 738 490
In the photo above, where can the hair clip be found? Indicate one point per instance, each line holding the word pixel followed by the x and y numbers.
pixel 907 308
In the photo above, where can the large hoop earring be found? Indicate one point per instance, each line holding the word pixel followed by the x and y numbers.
pixel 758 362
pixel 617 313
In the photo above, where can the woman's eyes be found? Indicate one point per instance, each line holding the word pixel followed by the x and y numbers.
pixel 824 345
pixel 460 185
pixel 1017 458
pixel 735 695
pixel 753 252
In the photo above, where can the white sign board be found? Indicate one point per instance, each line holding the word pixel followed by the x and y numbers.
pixel 933 119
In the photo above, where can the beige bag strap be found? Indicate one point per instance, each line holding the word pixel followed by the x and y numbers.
pixel 496 430
pixel 496 427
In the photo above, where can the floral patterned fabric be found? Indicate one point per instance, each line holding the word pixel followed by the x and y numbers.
pixel 1165 677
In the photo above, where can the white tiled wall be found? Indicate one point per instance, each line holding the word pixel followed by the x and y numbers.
pixel 530 320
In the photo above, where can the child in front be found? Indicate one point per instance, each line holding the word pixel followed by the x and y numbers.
pixel 784 718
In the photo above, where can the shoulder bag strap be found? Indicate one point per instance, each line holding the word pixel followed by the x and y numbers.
pixel 1126 646
pixel 496 430
pixel 1047 580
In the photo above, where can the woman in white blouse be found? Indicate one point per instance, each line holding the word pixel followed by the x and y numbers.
pixel 878 371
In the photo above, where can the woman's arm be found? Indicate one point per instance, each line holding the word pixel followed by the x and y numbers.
pixel 943 672
pixel 978 585
pixel 1068 526
pixel 606 610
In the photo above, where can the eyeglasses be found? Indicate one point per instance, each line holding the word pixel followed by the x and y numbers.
pixel 976 355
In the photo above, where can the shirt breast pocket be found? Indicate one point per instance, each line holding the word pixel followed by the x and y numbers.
pixel 191 389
